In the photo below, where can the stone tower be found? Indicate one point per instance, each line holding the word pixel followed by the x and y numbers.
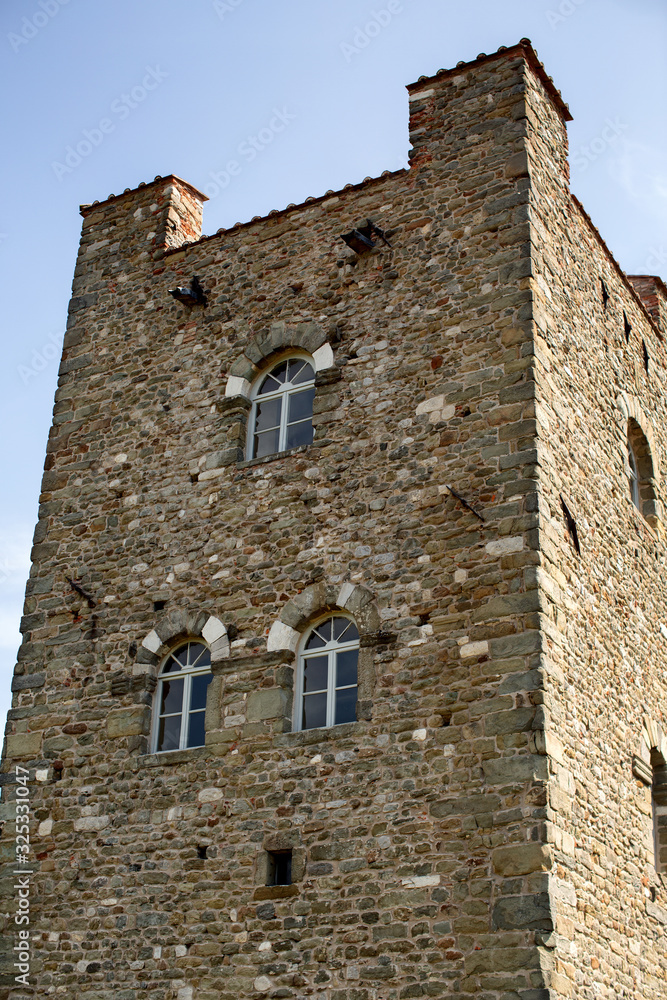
pixel 343 672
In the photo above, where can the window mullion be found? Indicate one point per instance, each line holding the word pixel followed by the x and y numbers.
pixel 184 711
pixel 282 437
pixel 331 689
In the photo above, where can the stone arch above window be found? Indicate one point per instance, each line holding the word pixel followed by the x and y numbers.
pixel 631 409
pixel 179 626
pixel 641 460
pixel 312 604
pixel 280 338
pixel 184 625
pixel 315 601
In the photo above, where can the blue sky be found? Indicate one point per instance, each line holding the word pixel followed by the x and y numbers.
pixel 184 87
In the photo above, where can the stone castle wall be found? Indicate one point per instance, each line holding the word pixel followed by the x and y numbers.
pixel 606 610
pixel 423 833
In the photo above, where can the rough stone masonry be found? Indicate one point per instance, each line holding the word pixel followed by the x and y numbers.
pixel 483 497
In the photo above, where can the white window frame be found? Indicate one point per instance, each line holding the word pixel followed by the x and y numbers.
pixel 331 649
pixel 282 394
pixel 187 674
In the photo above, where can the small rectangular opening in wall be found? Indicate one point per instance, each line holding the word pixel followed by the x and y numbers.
pixel 571 526
pixel 279 868
pixel 627 328
pixel 645 354
pixel 605 293
pixel 159 605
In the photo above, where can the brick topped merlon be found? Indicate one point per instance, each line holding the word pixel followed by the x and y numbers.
pixel 277 213
pixel 626 279
pixel 163 214
pixel 525 48
pixel 653 293
pixel 86 210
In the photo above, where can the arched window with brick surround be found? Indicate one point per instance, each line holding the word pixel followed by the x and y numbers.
pixel 282 407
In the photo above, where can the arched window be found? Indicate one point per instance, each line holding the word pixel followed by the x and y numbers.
pixel 659 802
pixel 326 681
pixel 282 408
pixel 640 472
pixel 181 698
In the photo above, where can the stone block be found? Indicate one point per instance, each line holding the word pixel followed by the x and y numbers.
pixel 527 912
pixel 464 805
pixel 133 721
pixel 510 604
pixel 91 824
pixel 267 704
pixel 23 682
pixel 510 770
pixel 521 859
pixel 282 636
pixel 518 644
pixel 23 745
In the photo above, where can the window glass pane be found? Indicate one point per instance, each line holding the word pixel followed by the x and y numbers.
pixel 299 434
pixel 198 691
pixel 300 405
pixel 199 655
pixel 181 657
pixel 300 371
pixel 196 654
pixel 276 375
pixel 315 673
pixel 171 696
pixel 324 629
pixel 196 730
pixel 269 384
pixel 266 444
pixel 268 414
pixel 169 733
pixel 315 641
pixel 344 630
pixel 314 711
pixel 346 667
pixel 346 706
